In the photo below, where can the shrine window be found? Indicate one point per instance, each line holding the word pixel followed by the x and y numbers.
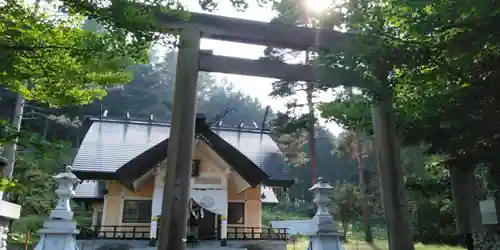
pixel 137 211
pixel 236 213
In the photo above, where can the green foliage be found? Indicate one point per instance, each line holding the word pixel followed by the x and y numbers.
pixel 353 144
pixel 284 211
pixel 442 80
pixel 291 134
pixel 437 62
pixel 133 20
pixel 298 121
pixel 35 167
pixel 6 184
pixel 428 194
pixel 136 20
pixel 83 215
pixel 349 110
pixel 303 244
pixel 27 223
pixel 346 205
pixel 429 198
pixel 63 64
pixel 18 241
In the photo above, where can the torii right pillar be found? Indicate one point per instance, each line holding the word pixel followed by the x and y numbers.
pixel 465 201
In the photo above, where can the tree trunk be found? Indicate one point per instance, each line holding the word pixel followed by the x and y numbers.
pixel 364 199
pixel 345 227
pixel 464 194
pixel 46 127
pixel 10 149
pixel 311 128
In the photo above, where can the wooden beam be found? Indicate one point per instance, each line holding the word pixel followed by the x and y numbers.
pixel 180 145
pixel 464 194
pixel 279 70
pixel 184 102
pixel 388 152
pixel 261 68
pixel 255 32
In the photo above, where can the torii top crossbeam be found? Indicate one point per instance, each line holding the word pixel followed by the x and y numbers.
pixel 255 32
pixel 267 34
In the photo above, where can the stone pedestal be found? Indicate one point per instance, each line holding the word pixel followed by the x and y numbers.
pixel 8 212
pixel 58 234
pixel 324 235
pixel 326 242
pixel 4 230
pixel 60 231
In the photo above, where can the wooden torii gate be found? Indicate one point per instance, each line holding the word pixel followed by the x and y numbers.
pixel 191 60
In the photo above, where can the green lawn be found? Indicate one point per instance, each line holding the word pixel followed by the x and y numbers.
pixel 360 245
pixel 354 233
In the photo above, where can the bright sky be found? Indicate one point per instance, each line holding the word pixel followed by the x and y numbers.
pixel 253 86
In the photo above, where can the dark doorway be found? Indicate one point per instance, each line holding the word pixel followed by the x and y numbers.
pixel 218 225
pixel 206 226
pixel 99 219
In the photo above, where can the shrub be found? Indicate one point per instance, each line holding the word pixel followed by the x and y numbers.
pixel 30 222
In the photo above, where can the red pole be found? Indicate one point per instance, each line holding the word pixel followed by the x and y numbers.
pixel 364 201
pixel 363 188
pixel 28 236
pixel 311 131
pixel 312 148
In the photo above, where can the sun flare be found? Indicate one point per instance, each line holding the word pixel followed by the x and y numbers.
pixel 317 5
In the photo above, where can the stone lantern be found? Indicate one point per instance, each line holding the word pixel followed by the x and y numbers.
pixel 59 231
pixel 64 192
pixel 323 220
pixel 8 210
pixel 325 234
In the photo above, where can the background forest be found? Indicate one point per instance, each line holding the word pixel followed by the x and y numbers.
pixel 438 60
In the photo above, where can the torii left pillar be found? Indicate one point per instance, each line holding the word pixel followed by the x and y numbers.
pixel 59 231
pixel 180 145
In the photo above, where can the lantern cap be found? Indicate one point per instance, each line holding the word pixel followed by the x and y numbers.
pixel 321 184
pixel 67 174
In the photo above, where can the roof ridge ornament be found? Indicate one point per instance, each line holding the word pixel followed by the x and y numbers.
pixel 264 120
pixel 219 117
pixel 241 124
